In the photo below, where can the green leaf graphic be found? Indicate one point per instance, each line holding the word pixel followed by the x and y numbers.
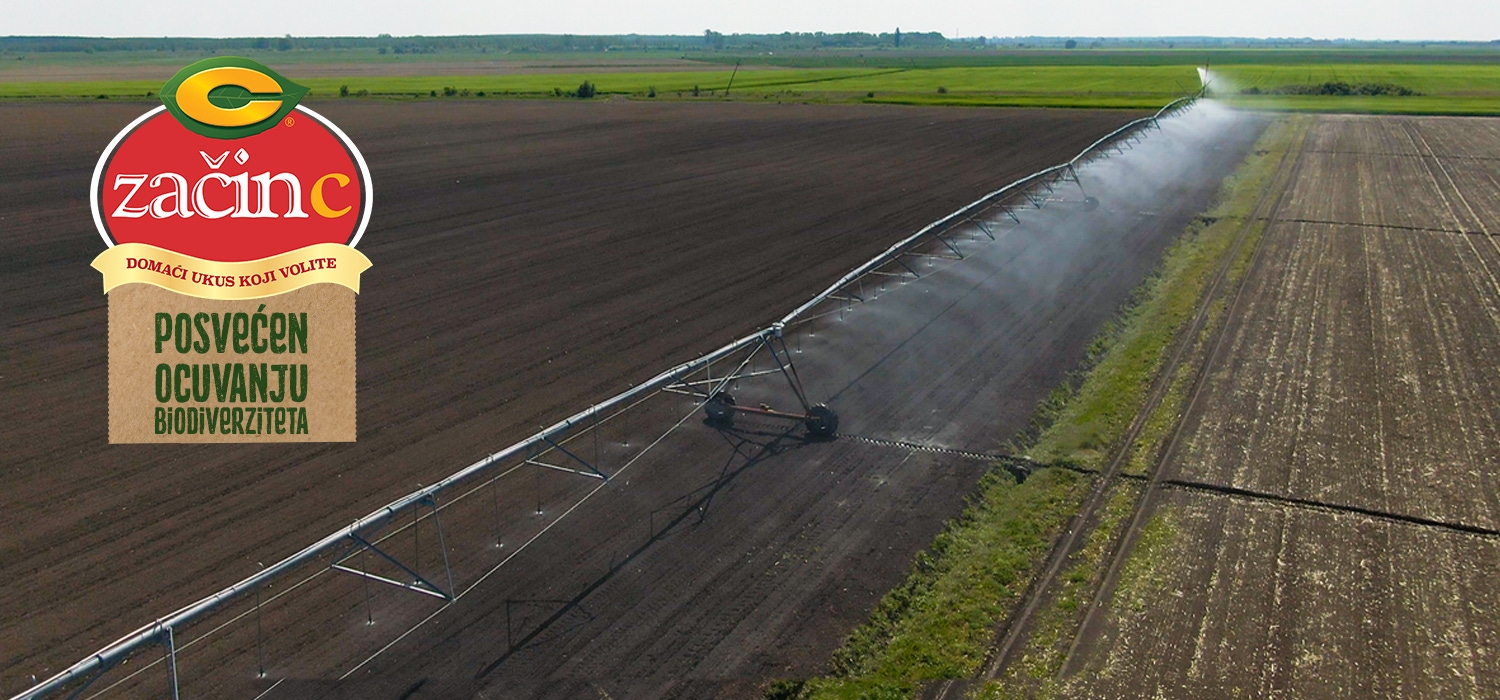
pixel 232 97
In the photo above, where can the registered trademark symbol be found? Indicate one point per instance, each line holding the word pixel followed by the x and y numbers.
pixel 290 121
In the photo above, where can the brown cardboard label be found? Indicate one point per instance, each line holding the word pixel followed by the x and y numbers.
pixel 275 369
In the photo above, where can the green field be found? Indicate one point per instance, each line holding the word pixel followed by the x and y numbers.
pixel 1447 81
pixel 506 84
pixel 1444 88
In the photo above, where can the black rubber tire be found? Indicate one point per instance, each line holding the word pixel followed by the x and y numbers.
pixel 822 421
pixel 720 409
pixel 1090 203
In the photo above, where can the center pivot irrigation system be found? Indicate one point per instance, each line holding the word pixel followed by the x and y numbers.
pixel 696 378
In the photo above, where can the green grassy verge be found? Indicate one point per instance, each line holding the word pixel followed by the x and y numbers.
pixel 1145 572
pixel 1144 451
pixel 939 623
pixel 1046 649
pixel 1142 581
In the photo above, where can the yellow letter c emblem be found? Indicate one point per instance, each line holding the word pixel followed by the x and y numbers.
pixel 192 96
pixel 321 206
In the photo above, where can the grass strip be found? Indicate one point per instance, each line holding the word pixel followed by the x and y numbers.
pixel 1033 674
pixel 939 623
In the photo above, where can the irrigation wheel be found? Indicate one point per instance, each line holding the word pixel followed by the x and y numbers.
pixel 822 421
pixel 720 409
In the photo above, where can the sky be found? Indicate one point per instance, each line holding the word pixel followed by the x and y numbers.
pixel 1333 19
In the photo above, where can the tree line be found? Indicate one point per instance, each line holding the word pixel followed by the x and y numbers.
pixel 541 43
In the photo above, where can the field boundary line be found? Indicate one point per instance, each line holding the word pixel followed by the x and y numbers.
pixel 1324 506
pixel 1393 227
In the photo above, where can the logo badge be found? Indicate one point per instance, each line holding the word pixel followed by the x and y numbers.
pixel 231 215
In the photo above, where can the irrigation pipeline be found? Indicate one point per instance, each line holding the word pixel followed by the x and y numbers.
pixel 159 632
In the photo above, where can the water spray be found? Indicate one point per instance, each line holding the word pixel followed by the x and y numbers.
pixel 1215 82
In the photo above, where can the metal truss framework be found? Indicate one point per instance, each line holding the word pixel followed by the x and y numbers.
pixel 549 449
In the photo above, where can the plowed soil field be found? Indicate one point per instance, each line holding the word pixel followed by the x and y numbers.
pixel 530 258
pixel 1352 415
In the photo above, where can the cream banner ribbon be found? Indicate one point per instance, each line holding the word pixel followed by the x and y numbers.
pixel 210 279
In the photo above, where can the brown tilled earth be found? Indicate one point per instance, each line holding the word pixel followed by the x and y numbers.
pixel 531 257
pixel 1357 379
